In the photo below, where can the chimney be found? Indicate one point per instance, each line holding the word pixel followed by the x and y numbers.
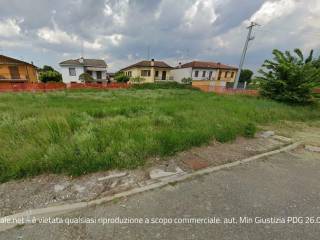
pixel 81 60
pixel 180 64
pixel 219 64
pixel 152 62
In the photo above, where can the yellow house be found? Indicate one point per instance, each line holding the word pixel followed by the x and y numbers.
pixel 14 70
pixel 150 71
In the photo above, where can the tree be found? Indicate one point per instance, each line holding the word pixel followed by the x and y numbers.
pixel 246 76
pixel 186 80
pixel 121 77
pixel 289 78
pixel 86 78
pixel 47 68
pixel 48 74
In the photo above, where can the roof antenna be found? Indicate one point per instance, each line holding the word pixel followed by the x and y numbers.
pixel 82 49
pixel 148 53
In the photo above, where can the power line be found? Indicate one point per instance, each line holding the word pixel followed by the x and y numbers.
pixel 243 56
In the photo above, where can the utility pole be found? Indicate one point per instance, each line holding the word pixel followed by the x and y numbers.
pixel 243 56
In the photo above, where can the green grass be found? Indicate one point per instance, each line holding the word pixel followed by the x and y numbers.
pixel 76 132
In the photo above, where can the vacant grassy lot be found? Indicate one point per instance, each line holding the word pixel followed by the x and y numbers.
pixel 77 132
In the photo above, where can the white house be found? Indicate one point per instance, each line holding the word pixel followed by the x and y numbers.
pixel 215 74
pixel 72 69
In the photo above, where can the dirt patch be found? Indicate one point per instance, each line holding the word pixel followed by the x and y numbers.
pixel 50 190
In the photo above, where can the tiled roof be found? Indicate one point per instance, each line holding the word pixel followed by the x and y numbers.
pixel 202 64
pixel 5 60
pixel 86 63
pixel 158 64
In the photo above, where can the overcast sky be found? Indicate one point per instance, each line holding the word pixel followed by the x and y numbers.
pixel 120 31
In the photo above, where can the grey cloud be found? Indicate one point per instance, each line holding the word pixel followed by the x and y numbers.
pixel 160 24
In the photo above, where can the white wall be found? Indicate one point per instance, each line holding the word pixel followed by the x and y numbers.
pixel 79 70
pixel 206 77
pixel 179 73
pixel 66 76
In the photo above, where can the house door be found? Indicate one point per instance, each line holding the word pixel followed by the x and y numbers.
pixel 164 75
pixel 14 72
pixel 99 75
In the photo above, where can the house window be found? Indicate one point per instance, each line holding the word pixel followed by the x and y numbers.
pixel 99 75
pixel 232 74
pixel 210 75
pixel 203 73
pixel 196 73
pixel 145 73
pixel 157 74
pixel 129 74
pixel 226 74
pixel 72 72
pixel 219 76
pixel 14 72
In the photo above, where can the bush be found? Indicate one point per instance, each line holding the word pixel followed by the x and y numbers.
pixel 288 78
pixel 86 77
pixel 186 80
pixel 121 77
pixel 250 130
pixel 50 76
pixel 245 76
pixel 137 80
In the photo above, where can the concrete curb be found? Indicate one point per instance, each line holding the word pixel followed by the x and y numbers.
pixel 67 208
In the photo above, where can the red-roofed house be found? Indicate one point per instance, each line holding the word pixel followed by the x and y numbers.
pixel 205 73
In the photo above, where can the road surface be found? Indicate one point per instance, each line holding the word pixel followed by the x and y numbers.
pixel 259 200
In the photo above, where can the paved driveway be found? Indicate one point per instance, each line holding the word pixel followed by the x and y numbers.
pixel 282 186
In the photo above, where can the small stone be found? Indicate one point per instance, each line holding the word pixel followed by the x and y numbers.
pixel 116 175
pixel 196 164
pixel 267 134
pixel 282 138
pixel 159 173
pixel 59 187
pixel 113 184
pixel 312 148
pixel 79 188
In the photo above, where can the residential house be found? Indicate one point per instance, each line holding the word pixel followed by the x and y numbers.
pixel 14 70
pixel 72 69
pixel 150 71
pixel 205 73
pixel 110 76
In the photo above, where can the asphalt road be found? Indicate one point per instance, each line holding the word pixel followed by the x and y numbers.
pixel 269 192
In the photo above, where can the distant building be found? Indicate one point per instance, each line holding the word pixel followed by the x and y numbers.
pixel 110 76
pixel 14 70
pixel 205 73
pixel 151 71
pixel 72 69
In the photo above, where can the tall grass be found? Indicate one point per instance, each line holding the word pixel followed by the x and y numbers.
pixel 76 132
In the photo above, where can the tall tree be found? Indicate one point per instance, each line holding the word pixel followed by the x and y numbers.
pixel 245 76
pixel 289 78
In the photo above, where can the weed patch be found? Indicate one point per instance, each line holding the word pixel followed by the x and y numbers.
pixel 77 132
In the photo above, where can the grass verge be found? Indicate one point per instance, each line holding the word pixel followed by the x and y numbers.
pixel 77 132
